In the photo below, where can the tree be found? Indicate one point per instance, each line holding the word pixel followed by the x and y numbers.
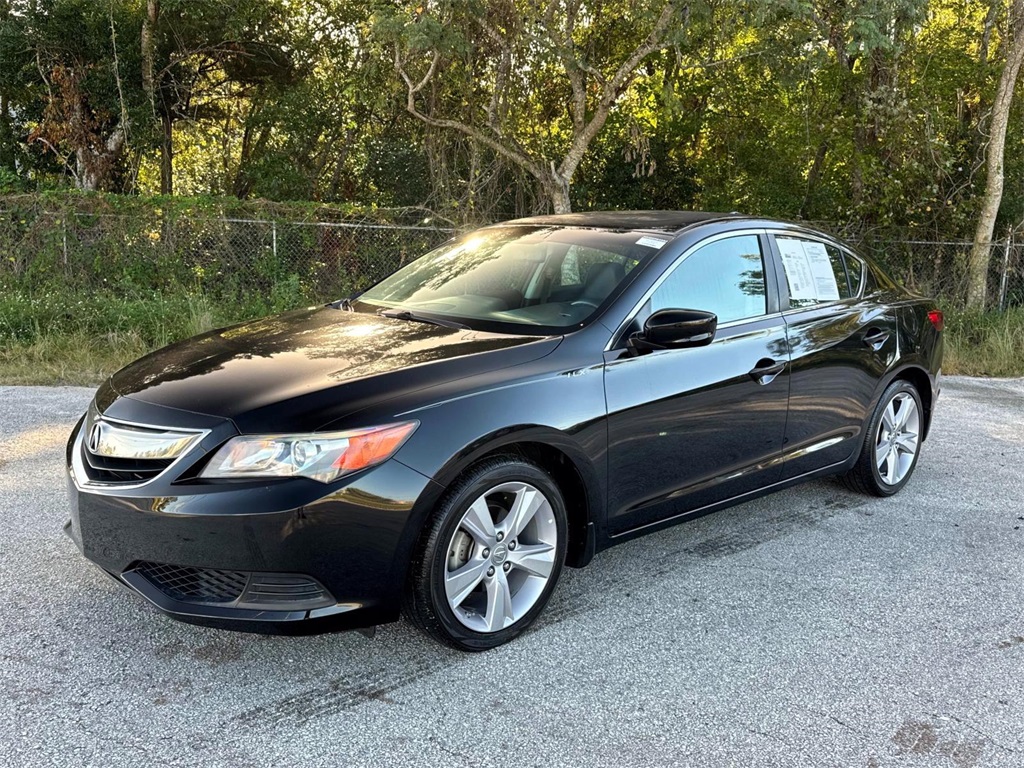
pixel 543 78
pixel 79 74
pixel 981 252
pixel 196 57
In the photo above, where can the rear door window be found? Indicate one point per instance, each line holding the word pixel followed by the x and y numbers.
pixel 815 273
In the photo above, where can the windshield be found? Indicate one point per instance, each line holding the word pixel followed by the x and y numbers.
pixel 524 275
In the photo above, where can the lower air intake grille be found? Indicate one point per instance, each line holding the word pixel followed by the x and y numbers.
pixel 195 585
pixel 240 589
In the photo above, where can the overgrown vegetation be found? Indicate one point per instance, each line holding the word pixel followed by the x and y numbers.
pixel 879 117
pixel 858 111
pixel 90 282
pixel 985 344
pixel 56 338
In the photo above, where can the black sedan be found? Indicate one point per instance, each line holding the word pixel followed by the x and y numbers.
pixel 518 399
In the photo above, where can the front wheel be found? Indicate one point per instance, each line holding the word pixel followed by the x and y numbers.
pixel 490 559
pixel 892 443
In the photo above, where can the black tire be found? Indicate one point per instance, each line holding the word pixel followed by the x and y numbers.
pixel 865 477
pixel 426 604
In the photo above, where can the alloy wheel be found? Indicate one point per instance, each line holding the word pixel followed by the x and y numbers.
pixel 897 440
pixel 501 557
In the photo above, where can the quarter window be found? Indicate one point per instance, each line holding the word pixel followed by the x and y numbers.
pixel 725 277
pixel 815 273
pixel 855 269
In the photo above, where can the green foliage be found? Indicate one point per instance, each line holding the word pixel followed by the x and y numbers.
pixel 98 264
pixel 871 114
pixel 868 111
pixel 985 344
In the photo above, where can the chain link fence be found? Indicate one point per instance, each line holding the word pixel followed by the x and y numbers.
pixel 223 259
pixel 938 268
pixel 250 266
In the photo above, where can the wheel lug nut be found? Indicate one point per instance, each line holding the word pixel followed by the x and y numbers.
pixel 490 571
pixel 500 536
pixel 507 566
pixel 511 545
pixel 486 552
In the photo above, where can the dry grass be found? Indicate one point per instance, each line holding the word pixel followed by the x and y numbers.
pixel 57 346
pixel 986 345
pixel 68 358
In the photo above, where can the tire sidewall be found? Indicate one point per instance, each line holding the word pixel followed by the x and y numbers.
pixel 452 512
pixel 891 391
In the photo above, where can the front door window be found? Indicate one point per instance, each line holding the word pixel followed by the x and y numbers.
pixel 725 277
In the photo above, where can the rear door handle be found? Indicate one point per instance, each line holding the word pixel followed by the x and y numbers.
pixel 766 370
pixel 876 337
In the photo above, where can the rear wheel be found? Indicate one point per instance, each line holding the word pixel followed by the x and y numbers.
pixel 490 559
pixel 892 443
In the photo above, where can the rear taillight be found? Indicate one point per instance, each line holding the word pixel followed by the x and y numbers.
pixel 936 319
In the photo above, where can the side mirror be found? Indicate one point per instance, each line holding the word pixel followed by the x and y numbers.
pixel 676 329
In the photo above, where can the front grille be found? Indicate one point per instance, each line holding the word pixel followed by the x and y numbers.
pixel 240 589
pixel 115 452
pixel 107 469
pixel 195 585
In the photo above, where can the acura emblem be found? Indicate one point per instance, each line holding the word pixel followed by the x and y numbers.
pixel 94 437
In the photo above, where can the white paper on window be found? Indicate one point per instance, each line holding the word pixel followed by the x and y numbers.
pixel 798 270
pixel 808 270
pixel 651 242
pixel 821 269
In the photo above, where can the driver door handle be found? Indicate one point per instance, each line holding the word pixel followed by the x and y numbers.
pixel 766 370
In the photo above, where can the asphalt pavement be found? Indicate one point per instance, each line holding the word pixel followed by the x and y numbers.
pixel 814 627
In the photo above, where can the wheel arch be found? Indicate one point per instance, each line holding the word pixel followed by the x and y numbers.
pixel 922 382
pixel 560 456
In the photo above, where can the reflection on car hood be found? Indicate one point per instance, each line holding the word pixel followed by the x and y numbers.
pixel 306 368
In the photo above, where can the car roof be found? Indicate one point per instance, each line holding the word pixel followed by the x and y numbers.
pixel 661 221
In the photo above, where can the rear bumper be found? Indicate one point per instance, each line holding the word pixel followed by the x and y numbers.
pixel 352 540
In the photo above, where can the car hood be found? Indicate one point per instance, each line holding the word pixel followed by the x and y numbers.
pixel 305 369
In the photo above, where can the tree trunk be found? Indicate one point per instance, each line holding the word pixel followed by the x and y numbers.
pixel 556 190
pixel 7 139
pixel 96 165
pixel 147 42
pixel 167 153
pixel 986 30
pixel 560 200
pixel 339 164
pixel 981 253
pixel 813 178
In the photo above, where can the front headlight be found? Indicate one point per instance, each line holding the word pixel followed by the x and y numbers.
pixel 323 456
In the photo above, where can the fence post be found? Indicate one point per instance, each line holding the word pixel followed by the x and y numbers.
pixel 273 239
pixel 1004 279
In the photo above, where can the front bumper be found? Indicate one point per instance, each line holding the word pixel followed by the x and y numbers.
pixel 276 542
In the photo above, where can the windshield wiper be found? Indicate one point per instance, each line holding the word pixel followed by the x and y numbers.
pixel 405 314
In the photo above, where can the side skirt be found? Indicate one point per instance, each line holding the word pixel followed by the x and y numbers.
pixel 632 533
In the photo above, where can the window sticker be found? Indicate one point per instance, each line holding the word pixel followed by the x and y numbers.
pixel 651 242
pixel 808 270
pixel 798 271
pixel 821 269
